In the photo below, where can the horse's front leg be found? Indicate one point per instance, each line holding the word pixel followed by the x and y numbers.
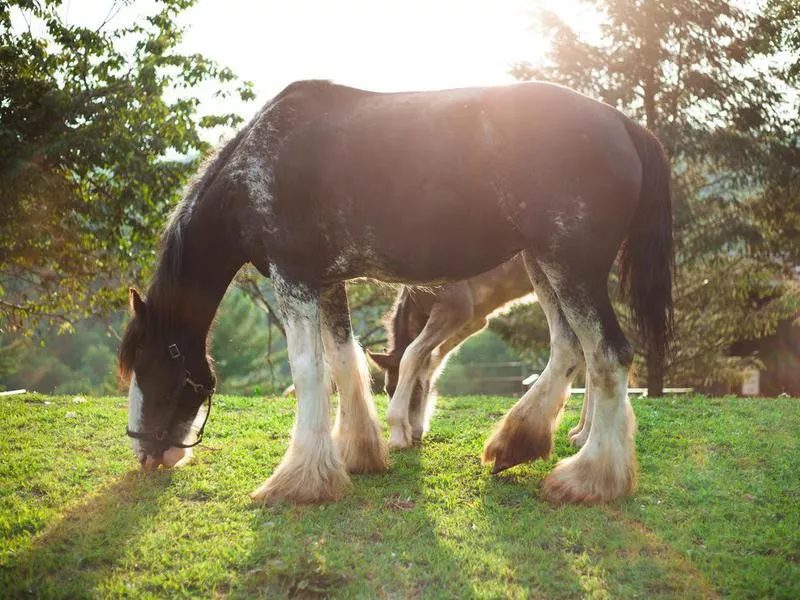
pixel 442 323
pixel 420 418
pixel 420 399
pixel 311 469
pixel 356 433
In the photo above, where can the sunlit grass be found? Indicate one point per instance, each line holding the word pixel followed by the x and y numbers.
pixel 716 512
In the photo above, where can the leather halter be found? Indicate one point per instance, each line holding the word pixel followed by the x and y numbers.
pixel 198 388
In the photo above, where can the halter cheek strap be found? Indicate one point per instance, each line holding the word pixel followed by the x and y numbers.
pixel 198 389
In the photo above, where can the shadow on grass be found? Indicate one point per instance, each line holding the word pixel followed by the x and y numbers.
pixel 581 550
pixel 75 554
pixel 379 541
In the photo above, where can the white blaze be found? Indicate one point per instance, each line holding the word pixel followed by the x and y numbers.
pixel 135 405
pixel 172 457
pixel 135 415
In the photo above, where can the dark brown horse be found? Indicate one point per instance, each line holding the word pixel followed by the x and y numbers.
pixel 328 183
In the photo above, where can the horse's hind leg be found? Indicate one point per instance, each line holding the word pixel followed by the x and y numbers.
pixel 356 432
pixel 605 468
pixel 311 469
pixel 526 432
pixel 445 319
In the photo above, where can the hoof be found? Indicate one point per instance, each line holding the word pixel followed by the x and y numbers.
pixel 575 430
pixel 400 437
pixel 578 480
pixel 306 476
pixel 516 441
pixel 362 453
pixel 579 439
pixel 299 488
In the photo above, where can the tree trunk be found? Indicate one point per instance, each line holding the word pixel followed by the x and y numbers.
pixel 655 374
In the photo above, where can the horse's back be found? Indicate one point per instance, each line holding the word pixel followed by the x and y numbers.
pixel 466 175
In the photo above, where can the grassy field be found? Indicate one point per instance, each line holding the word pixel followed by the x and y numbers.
pixel 717 512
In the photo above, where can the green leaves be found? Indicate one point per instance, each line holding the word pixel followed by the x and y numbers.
pixel 713 80
pixel 90 124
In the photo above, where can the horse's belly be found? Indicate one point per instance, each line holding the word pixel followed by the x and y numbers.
pixel 431 254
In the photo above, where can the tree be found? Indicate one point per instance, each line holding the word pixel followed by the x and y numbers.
pixel 250 354
pixel 96 130
pixel 368 300
pixel 81 361
pixel 704 75
pixel 524 327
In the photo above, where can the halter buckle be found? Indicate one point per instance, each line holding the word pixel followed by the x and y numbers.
pixel 174 351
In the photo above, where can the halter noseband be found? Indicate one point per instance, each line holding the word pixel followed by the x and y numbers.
pixel 198 389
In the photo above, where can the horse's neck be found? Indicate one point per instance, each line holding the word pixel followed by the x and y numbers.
pixel 408 322
pixel 209 262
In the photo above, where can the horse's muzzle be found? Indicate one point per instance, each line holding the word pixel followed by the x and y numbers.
pixel 171 457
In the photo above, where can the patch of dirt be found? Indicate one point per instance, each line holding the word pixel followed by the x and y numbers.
pixel 398 503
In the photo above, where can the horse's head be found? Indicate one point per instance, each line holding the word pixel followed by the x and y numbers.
pixel 171 383
pixel 403 323
pixel 390 363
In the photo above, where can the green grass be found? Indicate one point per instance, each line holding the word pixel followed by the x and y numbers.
pixel 716 512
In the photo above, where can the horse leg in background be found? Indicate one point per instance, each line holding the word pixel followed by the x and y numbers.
pixel 526 431
pixel 311 469
pixel 430 373
pixel 442 323
pixel 419 402
pixel 605 467
pixel 579 433
pixel 576 430
pixel 356 433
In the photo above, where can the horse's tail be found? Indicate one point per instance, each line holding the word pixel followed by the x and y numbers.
pixel 647 257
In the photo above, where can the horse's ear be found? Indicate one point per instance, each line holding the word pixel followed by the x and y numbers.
pixel 138 306
pixel 384 361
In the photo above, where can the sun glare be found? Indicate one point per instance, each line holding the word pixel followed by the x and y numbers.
pixel 384 46
pixel 377 45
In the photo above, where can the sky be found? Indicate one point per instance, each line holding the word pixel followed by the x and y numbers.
pixel 382 45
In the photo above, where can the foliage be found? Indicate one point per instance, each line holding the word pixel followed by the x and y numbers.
pixel 80 362
pixel 369 302
pixel 712 80
pixel 524 327
pixel 78 519
pixel 249 351
pixel 485 363
pixel 95 128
